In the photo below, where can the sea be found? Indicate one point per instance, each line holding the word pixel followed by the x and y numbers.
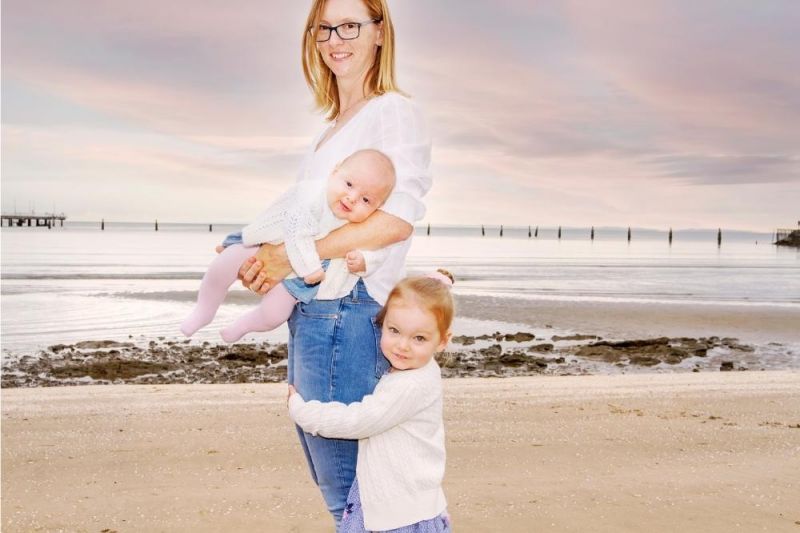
pixel 128 281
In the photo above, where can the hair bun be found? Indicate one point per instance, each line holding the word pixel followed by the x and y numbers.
pixel 447 273
pixel 442 276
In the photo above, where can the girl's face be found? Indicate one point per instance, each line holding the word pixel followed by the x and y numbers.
pixel 349 60
pixel 410 335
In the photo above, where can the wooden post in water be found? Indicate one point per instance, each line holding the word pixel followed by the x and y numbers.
pixel 670 236
pixel 559 233
pixel 501 230
pixel 102 224
pixel 536 232
pixel 529 232
pixel 429 229
pixel 629 234
pixel 719 237
pixel 156 224
pixel 483 231
pixel 591 236
pixel 209 228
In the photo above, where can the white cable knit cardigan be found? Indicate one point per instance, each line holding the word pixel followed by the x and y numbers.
pixel 401 454
pixel 297 218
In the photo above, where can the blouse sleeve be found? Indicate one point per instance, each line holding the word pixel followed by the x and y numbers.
pixel 405 139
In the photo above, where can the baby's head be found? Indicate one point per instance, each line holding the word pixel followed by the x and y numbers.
pixel 360 184
pixel 416 320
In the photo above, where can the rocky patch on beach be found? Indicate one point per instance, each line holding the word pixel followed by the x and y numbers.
pixel 651 352
pixel 110 362
pixel 492 355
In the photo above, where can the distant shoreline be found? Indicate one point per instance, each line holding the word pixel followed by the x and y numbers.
pixel 492 229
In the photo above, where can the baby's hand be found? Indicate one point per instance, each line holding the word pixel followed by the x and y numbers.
pixel 315 277
pixel 355 261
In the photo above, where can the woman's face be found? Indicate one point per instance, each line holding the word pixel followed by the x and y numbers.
pixel 349 60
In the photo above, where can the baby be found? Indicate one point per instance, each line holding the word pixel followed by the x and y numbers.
pixel 307 212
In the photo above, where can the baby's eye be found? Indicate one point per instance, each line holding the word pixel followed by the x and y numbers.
pixel 349 184
pixel 366 200
pixel 420 338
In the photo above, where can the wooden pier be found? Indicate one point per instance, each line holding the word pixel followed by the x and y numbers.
pixel 788 237
pixel 47 220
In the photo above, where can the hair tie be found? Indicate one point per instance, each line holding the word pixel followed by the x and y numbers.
pixel 438 276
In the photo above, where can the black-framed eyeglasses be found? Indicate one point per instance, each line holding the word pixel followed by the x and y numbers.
pixel 347 31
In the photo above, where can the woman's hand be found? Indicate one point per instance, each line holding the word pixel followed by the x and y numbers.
pixel 292 390
pixel 266 269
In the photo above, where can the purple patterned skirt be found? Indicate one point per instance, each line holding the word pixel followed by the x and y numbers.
pixel 353 518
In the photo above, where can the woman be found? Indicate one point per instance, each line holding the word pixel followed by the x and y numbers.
pixel 334 355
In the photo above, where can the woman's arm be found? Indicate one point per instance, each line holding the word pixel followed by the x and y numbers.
pixel 270 264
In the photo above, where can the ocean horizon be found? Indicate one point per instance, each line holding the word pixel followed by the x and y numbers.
pixel 78 282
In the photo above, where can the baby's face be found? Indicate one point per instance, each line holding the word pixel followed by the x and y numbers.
pixel 357 188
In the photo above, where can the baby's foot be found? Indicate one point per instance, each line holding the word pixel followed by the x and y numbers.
pixel 194 322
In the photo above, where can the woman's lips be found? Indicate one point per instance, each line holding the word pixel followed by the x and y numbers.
pixel 340 56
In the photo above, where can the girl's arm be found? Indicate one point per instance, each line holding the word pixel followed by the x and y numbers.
pixel 271 264
pixel 374 414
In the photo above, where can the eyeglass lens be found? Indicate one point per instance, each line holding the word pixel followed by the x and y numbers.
pixel 348 30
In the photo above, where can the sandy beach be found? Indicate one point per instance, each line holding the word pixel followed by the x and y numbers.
pixel 692 452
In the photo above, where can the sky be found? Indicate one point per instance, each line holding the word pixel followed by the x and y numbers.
pixel 665 113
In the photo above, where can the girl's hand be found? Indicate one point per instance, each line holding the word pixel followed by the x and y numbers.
pixel 266 269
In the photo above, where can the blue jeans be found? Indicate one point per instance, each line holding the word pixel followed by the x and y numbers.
pixel 334 355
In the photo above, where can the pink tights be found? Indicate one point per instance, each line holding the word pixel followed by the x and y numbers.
pixel 273 310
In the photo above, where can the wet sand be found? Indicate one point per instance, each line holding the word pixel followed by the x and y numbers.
pixel 692 452
pixel 630 320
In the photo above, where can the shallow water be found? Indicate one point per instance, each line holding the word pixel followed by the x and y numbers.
pixel 77 282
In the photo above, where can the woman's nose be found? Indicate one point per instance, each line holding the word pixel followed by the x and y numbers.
pixel 335 39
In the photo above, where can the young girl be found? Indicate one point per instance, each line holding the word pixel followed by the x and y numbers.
pixel 401 455
pixel 310 210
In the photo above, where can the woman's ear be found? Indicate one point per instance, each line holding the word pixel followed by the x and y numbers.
pixel 379 42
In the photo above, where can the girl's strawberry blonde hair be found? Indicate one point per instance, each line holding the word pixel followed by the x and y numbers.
pixel 431 292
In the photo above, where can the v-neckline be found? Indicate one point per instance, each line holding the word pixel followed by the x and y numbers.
pixel 327 141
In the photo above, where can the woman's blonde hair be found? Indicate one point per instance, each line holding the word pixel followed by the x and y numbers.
pixel 380 78
pixel 430 293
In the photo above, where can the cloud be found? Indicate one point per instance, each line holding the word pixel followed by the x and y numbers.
pixel 597 109
pixel 728 169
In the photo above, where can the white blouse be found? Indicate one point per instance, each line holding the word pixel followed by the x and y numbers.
pixel 392 124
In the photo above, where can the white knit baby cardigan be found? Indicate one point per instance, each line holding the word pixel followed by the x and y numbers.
pixel 297 218
pixel 401 454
